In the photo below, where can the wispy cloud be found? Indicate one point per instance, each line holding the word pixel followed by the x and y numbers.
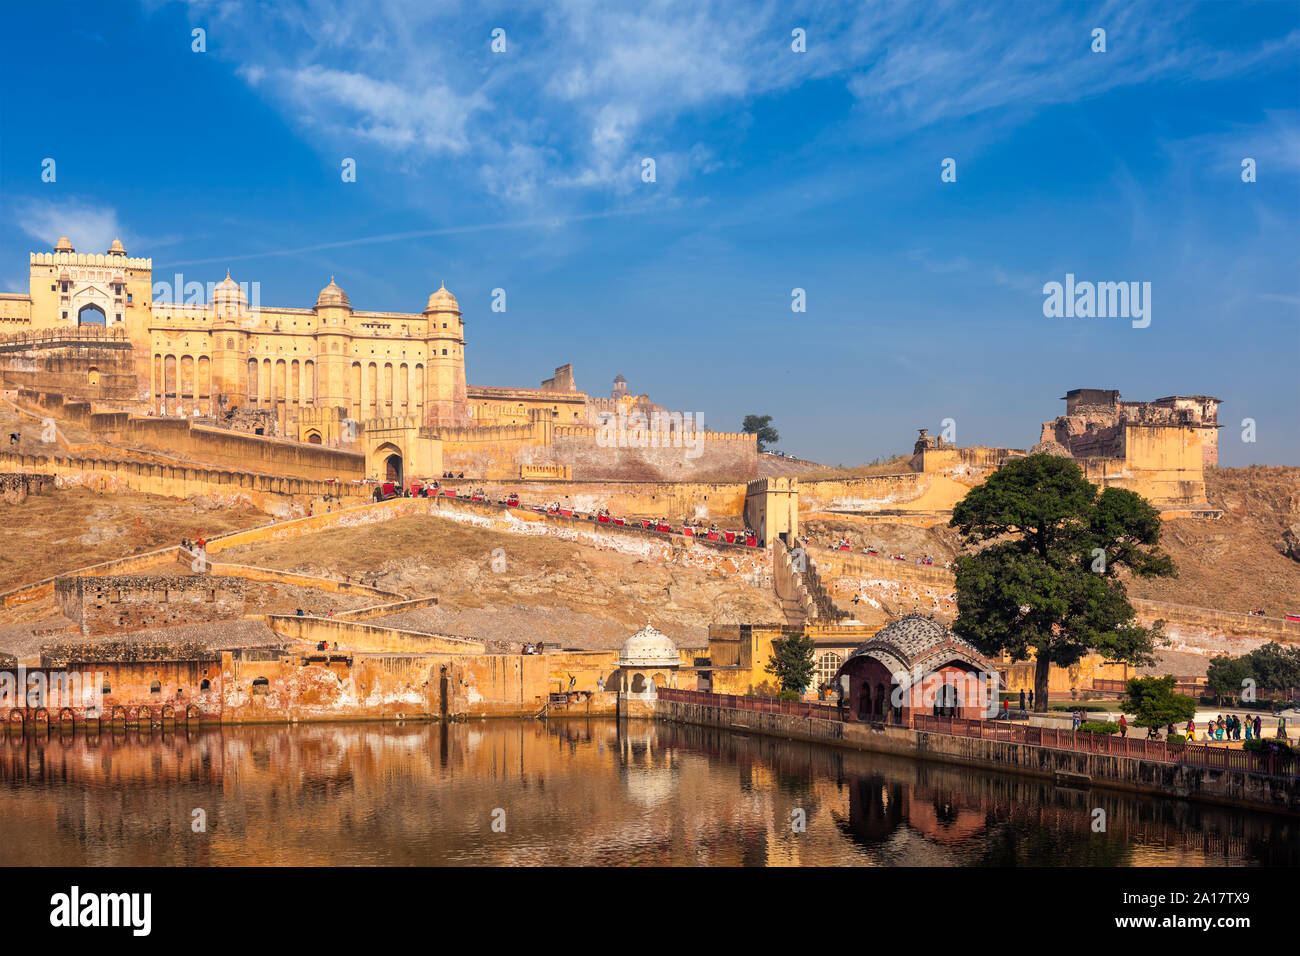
pixel 90 227
pixel 586 89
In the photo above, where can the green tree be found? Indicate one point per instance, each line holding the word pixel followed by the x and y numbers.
pixel 1153 702
pixel 791 662
pixel 1227 676
pixel 761 425
pixel 1039 575
pixel 1275 667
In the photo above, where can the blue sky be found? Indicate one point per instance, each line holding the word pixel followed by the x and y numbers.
pixel 775 170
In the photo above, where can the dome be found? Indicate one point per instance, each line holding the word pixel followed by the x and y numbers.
pixel 63 245
pixel 117 249
pixel 228 295
pixel 332 296
pixel 648 648
pixel 442 301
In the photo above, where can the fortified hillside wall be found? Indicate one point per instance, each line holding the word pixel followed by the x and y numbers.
pixel 83 363
pixel 134 602
pixel 717 456
pixel 175 482
pixel 210 446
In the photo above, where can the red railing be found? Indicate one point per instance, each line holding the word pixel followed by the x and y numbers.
pixel 1193 755
pixel 762 705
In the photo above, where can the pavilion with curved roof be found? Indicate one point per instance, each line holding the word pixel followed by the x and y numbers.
pixel 916 666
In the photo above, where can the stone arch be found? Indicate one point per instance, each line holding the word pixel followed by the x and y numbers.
pixel 66 716
pixel 16 719
pixel 191 712
pixel 92 313
pixel 92 376
pixel 638 683
pixel 313 437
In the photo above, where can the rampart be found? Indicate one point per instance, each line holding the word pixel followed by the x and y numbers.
pixel 213 446
pixel 117 603
pixel 83 362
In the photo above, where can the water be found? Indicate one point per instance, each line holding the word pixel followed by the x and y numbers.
pixel 570 793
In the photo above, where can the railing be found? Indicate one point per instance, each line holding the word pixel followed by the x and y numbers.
pixel 762 705
pixel 1192 755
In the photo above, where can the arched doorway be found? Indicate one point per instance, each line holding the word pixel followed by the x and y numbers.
pixel 313 438
pixel 393 469
pixel 91 314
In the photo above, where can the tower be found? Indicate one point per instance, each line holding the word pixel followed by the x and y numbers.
pixel 334 346
pixel 230 360
pixel 446 402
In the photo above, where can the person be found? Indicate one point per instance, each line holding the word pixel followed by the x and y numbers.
pixel 1281 727
pixel 1250 727
pixel 600 683
pixel 1031 697
pixel 300 614
pixel 1123 726
pixel 1191 730
pixel 1258 727
pixel 1022 698
pixel 572 680
pixel 1074 720
pixel 1169 732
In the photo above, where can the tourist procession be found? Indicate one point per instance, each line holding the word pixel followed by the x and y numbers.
pixel 601 438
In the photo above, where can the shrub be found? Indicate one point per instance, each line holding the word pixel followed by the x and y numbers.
pixel 1176 739
pixel 1099 727
pixel 1280 748
pixel 789 695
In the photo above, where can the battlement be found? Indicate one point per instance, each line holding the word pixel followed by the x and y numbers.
pixel 90 259
pixel 75 335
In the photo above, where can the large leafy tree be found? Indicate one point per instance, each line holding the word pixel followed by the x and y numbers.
pixel 791 662
pixel 1153 702
pixel 760 425
pixel 1039 576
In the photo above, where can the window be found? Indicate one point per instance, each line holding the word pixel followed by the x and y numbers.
pixel 155 687
pixel 106 689
pixel 260 686
pixel 444 351
pixel 205 684
pixel 827 665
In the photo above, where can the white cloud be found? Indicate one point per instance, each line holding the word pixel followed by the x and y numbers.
pixel 586 88
pixel 90 228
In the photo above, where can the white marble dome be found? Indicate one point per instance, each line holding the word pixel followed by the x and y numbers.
pixel 648 648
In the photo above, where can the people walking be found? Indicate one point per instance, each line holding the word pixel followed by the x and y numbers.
pixel 1031 698
pixel 1022 698
pixel 1258 728
pixel 1123 726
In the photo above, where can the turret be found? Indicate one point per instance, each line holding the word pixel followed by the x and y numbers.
pixel 334 339
pixel 446 402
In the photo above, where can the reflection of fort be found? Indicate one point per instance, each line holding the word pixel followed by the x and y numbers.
pixel 590 792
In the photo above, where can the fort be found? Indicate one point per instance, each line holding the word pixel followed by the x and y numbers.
pixel 304 413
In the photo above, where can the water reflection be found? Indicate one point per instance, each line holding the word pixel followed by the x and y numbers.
pixel 570 793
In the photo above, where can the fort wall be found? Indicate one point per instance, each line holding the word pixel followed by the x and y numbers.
pixel 121 603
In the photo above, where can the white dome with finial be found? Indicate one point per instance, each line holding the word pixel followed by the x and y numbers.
pixel 648 648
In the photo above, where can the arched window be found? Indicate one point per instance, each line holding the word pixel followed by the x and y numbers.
pixel 205 684
pixel 155 687
pixel 260 685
